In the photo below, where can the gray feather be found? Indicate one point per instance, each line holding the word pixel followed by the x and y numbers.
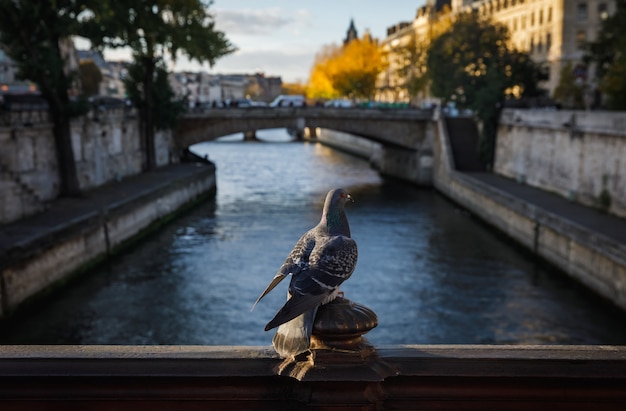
pixel 294 337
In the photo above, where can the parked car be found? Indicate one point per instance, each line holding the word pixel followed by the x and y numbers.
pixel 283 100
pixel 339 103
pixel 244 102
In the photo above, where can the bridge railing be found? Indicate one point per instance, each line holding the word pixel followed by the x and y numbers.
pixel 243 378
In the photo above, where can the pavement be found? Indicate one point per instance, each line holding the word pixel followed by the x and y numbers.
pixel 18 238
pixel 588 217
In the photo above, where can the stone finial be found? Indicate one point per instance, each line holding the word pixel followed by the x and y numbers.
pixel 337 343
pixel 341 324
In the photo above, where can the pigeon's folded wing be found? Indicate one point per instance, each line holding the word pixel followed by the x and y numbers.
pixel 332 262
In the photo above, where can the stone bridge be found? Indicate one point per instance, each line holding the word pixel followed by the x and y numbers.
pixel 405 136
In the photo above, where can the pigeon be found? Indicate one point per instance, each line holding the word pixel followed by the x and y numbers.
pixel 323 258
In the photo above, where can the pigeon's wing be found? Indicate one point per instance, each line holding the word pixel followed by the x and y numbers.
pixel 295 262
pixel 331 262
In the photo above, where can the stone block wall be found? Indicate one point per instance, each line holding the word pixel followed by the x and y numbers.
pixel 594 260
pixel 28 170
pixel 580 155
pixel 107 148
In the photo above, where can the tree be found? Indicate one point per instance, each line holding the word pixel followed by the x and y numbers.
pixel 609 54
pixel 355 69
pixel 35 36
pixel 473 65
pixel 409 61
pixel 155 30
pixel 568 92
pixel 90 77
pixel 320 84
pixel 167 109
pixel 348 71
pixel 411 58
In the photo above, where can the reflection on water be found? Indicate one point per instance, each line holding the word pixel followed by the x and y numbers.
pixel 431 272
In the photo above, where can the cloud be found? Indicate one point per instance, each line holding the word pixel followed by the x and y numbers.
pixel 251 22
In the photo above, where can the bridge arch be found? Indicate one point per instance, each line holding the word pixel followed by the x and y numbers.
pixel 405 135
pixel 400 128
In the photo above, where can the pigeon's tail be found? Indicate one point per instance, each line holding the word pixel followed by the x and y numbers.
pixel 294 337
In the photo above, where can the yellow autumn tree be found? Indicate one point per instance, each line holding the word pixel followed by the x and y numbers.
pixel 320 85
pixel 348 71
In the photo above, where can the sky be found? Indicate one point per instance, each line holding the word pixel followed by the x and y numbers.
pixel 281 37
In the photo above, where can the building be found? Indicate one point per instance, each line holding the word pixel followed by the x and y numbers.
pixel 113 73
pixel 351 34
pixel 406 45
pixel 8 80
pixel 553 32
pixel 204 89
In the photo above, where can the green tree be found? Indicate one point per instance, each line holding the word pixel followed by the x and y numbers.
pixel 568 92
pixel 411 58
pixel 609 54
pixel 473 65
pixel 35 36
pixel 155 30
pixel 409 63
pixel 90 77
pixel 166 107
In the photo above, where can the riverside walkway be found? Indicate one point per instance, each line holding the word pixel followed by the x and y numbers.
pixel 62 214
pixel 38 251
pixel 595 220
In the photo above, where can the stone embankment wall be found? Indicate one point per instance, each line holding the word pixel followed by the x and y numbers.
pixel 580 155
pixel 413 166
pixel 592 259
pixel 107 147
pixel 55 252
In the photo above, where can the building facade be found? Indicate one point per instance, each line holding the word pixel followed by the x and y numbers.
pixel 553 32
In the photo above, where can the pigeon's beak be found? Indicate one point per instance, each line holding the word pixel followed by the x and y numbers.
pixel 349 197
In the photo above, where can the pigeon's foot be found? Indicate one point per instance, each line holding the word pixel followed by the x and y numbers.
pixel 298 366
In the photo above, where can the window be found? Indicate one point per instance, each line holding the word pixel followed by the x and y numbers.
pixel 549 14
pixel 602 11
pixel 540 17
pixel 545 72
pixel 581 39
pixel 532 19
pixel 548 42
pixel 581 13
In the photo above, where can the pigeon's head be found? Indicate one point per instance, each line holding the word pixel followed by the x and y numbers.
pixel 334 219
pixel 337 198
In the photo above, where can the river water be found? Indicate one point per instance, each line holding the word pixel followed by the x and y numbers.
pixel 431 272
